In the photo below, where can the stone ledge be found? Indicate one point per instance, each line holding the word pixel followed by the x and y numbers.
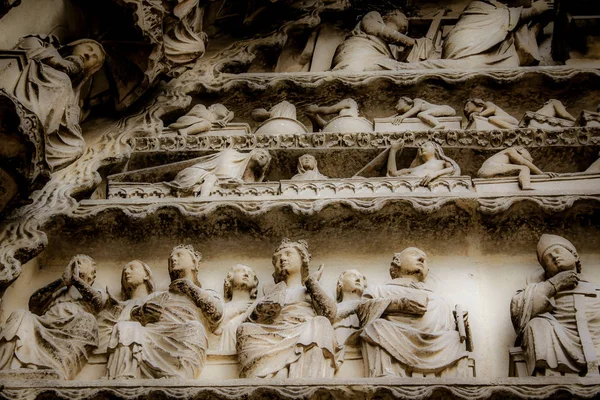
pixel 382 388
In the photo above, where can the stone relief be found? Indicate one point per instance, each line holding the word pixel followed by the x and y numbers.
pixel 485 115
pixel 349 290
pixel 408 329
pixel 553 115
pixel 240 290
pixel 281 118
pixel 556 316
pixel 201 119
pixel 308 169
pixel 418 114
pixel 166 334
pixel 510 162
pixel 53 85
pixel 347 119
pixel 60 330
pixel 228 168
pixel 289 333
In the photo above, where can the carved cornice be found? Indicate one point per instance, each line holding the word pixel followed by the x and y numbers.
pixel 383 388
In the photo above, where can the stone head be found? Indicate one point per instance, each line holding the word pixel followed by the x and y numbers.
pixel 396 20
pixel 307 162
pixel 184 262
pixel 427 151
pixel 404 104
pixel 85 265
pixel 410 263
pixel 261 158
pixel 134 274
pixel 219 110
pixel 556 254
pixel 240 277
pixel 90 52
pixel 291 258
pixel 350 281
pixel 473 105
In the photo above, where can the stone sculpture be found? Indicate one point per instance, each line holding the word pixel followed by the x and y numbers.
pixel 349 289
pixel 201 119
pixel 476 109
pixel 408 329
pixel 510 162
pixel 555 109
pixel 430 163
pixel 60 329
pixel 308 169
pixel 594 168
pixel 172 326
pixel 281 118
pixel 347 119
pixel 137 287
pixel 290 334
pixel 557 318
pixel 553 115
pixel 52 85
pixel 376 43
pixel 240 290
pixel 425 111
pixel 228 168
pixel 590 118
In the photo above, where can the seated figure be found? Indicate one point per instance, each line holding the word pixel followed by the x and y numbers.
pixel 349 290
pixel 491 112
pixel 308 169
pixel 510 162
pixel 201 119
pixel 60 330
pixel 289 332
pixel 426 112
pixel 169 339
pixel 228 168
pixel 346 120
pixel 557 317
pixel 430 163
pixel 408 329
pixel 240 290
pixel 52 85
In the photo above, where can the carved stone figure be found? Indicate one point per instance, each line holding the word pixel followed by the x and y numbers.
pixel 590 118
pixel 425 111
pixel 290 334
pixel 595 167
pixel 476 109
pixel 347 119
pixel 201 119
pixel 349 290
pixel 281 118
pixel 553 115
pixel 137 287
pixel 228 168
pixel 430 163
pixel 510 162
pixel 240 290
pixel 557 317
pixel 51 86
pixel 308 169
pixel 409 329
pixel 60 329
pixel 172 326
pixel 376 43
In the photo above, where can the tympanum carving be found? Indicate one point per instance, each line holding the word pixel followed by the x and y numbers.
pixel 485 115
pixel 346 120
pixel 201 119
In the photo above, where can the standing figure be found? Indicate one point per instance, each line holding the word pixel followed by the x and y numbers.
pixel 173 341
pixel 494 114
pixel 349 289
pixel 408 328
pixel 240 290
pixel 510 162
pixel 201 119
pixel 373 44
pixel 426 112
pixel 228 168
pixel 289 333
pixel 430 163
pixel 60 330
pixel 557 319
pixel 308 169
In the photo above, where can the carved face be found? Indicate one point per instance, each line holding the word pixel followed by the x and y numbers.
pixel 288 261
pixel 353 282
pixel 410 262
pixel 134 274
pixel 471 107
pixel 308 162
pixel 397 20
pixel 427 151
pixel 181 263
pixel 243 278
pixel 403 106
pixel 558 259
pixel 261 158
pixel 90 53
pixel 87 271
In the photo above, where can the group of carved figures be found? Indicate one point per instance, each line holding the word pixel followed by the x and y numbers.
pixel 344 117
pixel 295 329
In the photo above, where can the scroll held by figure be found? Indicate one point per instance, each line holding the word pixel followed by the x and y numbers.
pixel 289 332
pixel 557 315
pixel 408 329
pixel 166 334
pixel 228 168
pixel 53 86
pixel 59 331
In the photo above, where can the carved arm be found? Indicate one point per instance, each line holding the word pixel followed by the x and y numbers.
pixel 90 295
pixel 322 303
pixel 209 303
pixel 414 304
pixel 373 24
pixel 518 159
pixel 39 301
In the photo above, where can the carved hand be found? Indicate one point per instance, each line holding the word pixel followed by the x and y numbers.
pixel 397 145
pixel 427 180
pixel 565 280
pixel 67 276
pixel 397 120
pixel 541 6
pixel 551 174
pixel 221 123
pixel 312 109
pixel 317 275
